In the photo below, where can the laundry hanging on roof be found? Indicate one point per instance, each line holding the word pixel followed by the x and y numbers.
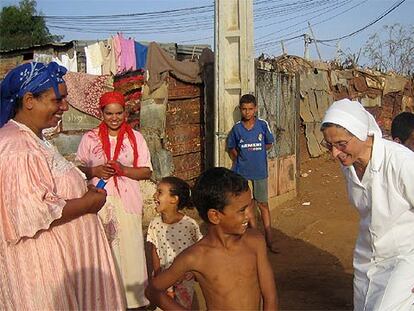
pixel 160 64
pixel 140 55
pixel 94 59
pixel 71 64
pixel 130 85
pixel 84 91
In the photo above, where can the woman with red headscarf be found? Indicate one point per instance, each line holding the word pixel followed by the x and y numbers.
pixel 119 155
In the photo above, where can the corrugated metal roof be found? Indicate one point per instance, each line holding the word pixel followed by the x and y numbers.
pixel 37 46
pixel 190 49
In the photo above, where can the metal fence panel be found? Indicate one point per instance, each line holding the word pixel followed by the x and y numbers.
pixel 276 99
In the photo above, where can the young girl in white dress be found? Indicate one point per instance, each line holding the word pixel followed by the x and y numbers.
pixel 171 232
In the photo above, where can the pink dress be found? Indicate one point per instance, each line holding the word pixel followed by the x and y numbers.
pixel 45 267
pixel 122 213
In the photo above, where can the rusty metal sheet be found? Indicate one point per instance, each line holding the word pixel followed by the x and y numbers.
pixel 407 104
pixel 185 138
pixel 376 83
pixel 181 90
pixel 7 64
pixel 373 93
pixel 360 84
pixel 394 83
pixel 314 80
pixel 340 92
pixel 183 111
pixel 371 102
pixel 409 88
pixel 391 105
pixel 344 74
pixel 188 166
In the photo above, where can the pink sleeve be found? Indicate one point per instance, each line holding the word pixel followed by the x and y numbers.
pixel 144 157
pixel 29 201
pixel 83 153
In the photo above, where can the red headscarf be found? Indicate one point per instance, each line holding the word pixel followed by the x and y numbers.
pixel 116 98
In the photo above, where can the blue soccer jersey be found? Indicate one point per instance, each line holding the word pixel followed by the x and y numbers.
pixel 251 161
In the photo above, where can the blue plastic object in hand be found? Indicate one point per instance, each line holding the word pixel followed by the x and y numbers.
pixel 101 184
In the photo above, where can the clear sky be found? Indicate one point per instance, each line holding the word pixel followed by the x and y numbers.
pixel 274 20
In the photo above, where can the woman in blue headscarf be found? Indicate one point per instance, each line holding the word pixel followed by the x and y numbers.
pixel 380 182
pixel 54 253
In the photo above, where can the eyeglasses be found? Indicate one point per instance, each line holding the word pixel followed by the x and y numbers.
pixel 341 146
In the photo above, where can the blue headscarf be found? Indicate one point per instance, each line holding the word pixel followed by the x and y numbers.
pixel 30 77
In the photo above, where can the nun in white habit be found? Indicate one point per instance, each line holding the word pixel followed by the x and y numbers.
pixel 380 182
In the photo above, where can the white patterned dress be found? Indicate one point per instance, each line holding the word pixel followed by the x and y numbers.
pixel 170 240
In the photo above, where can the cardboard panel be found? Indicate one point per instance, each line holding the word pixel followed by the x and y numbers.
pixel 287 173
pixel 273 180
pixel 313 138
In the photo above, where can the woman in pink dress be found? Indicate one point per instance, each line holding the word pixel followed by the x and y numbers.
pixel 53 250
pixel 119 155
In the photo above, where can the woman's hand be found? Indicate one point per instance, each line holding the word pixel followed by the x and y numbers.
pixel 95 198
pixel 104 171
pixel 118 168
pixel 91 202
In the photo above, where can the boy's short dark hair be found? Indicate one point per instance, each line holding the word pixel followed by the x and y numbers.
pixel 247 98
pixel 213 187
pixel 402 126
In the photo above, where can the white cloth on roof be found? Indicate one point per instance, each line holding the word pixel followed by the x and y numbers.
pixel 94 59
pixel 71 64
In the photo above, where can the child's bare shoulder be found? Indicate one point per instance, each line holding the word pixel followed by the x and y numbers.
pixel 194 252
pixel 254 238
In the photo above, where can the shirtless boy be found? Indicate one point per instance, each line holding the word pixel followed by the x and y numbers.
pixel 230 262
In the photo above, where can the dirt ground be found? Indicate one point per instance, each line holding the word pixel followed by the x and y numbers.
pixel 316 233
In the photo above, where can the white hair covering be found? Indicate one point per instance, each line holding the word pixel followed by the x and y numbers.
pixel 352 116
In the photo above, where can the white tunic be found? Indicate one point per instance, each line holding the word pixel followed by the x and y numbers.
pixel 384 251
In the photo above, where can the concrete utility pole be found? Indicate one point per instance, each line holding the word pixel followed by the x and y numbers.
pixel 234 67
pixel 307 42
pixel 282 43
pixel 314 41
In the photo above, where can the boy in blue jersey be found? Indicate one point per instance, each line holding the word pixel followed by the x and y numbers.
pixel 248 141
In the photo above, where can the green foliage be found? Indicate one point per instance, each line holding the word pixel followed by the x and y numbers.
pixel 23 27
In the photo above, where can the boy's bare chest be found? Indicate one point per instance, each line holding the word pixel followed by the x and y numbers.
pixel 234 267
pixel 230 280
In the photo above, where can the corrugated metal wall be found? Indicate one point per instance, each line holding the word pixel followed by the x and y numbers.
pixel 277 104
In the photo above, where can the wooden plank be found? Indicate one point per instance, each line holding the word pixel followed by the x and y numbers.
pixel 185 138
pixel 287 173
pixel 273 180
pixel 188 166
pixel 183 111
pixel 180 90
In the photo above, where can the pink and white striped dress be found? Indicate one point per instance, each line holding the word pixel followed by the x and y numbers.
pixel 43 267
